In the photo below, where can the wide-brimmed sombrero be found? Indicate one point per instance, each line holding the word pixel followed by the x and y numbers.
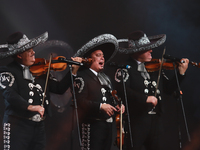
pixel 19 42
pixel 138 41
pixel 105 42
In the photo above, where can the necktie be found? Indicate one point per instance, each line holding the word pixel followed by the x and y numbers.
pixel 27 74
pixel 143 71
pixel 104 80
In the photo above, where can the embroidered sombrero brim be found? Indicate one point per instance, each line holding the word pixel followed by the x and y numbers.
pixel 105 42
pixel 155 41
pixel 16 49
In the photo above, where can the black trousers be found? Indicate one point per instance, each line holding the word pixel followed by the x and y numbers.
pixel 23 134
pixel 147 131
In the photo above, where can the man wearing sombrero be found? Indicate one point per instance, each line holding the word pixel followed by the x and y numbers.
pixel 93 90
pixel 23 122
pixel 143 96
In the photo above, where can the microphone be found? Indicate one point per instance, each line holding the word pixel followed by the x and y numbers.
pixel 60 59
pixel 120 66
pixel 173 59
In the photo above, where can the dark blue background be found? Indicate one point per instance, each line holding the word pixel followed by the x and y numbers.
pixel 76 22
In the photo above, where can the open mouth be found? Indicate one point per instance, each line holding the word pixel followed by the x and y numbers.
pixel 101 64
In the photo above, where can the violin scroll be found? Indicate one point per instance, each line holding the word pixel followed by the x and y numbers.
pixel 195 64
pixel 87 60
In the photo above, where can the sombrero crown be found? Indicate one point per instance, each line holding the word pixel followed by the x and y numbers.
pixel 138 41
pixel 105 42
pixel 19 42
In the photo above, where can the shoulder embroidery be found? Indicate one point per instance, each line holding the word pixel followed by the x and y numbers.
pixel 79 84
pixel 6 79
pixel 118 75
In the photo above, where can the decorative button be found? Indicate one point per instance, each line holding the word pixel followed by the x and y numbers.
pixel 30 101
pixel 31 93
pixel 158 91
pixel 146 91
pixel 104 98
pixel 153 83
pixel 47 102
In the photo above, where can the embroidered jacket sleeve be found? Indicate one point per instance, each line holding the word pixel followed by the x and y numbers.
pixel 9 88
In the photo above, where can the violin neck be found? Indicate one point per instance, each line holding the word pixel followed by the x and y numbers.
pixel 194 64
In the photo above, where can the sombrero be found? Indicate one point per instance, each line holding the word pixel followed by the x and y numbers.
pixel 105 42
pixel 139 41
pixel 18 43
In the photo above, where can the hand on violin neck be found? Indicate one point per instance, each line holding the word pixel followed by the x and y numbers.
pixel 108 109
pixel 75 67
pixel 182 67
pixel 120 108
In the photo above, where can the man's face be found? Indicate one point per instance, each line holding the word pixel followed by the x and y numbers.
pixel 97 60
pixel 143 56
pixel 27 58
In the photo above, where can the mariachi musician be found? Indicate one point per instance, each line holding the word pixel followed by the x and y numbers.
pixel 26 103
pixel 143 96
pixel 93 91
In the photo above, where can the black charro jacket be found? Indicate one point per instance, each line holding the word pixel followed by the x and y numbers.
pixel 19 93
pixel 137 91
pixel 89 94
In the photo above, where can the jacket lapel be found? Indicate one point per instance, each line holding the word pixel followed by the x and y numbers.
pixel 92 75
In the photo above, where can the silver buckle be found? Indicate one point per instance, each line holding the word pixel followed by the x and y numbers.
pixel 110 120
pixel 151 112
pixel 36 118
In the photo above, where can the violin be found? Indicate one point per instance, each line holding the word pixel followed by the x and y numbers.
pixel 154 65
pixel 41 65
pixel 120 130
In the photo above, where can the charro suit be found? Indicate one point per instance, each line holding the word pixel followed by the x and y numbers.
pixel 18 94
pixel 96 125
pixel 146 128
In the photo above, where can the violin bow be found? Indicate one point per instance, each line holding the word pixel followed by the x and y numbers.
pixel 48 71
pixel 158 80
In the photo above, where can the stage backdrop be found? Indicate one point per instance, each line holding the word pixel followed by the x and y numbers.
pixel 74 23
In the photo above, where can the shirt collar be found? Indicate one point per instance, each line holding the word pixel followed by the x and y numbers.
pixel 94 71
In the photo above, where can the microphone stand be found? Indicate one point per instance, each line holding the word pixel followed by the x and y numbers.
pixel 183 111
pixel 125 97
pixel 75 112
